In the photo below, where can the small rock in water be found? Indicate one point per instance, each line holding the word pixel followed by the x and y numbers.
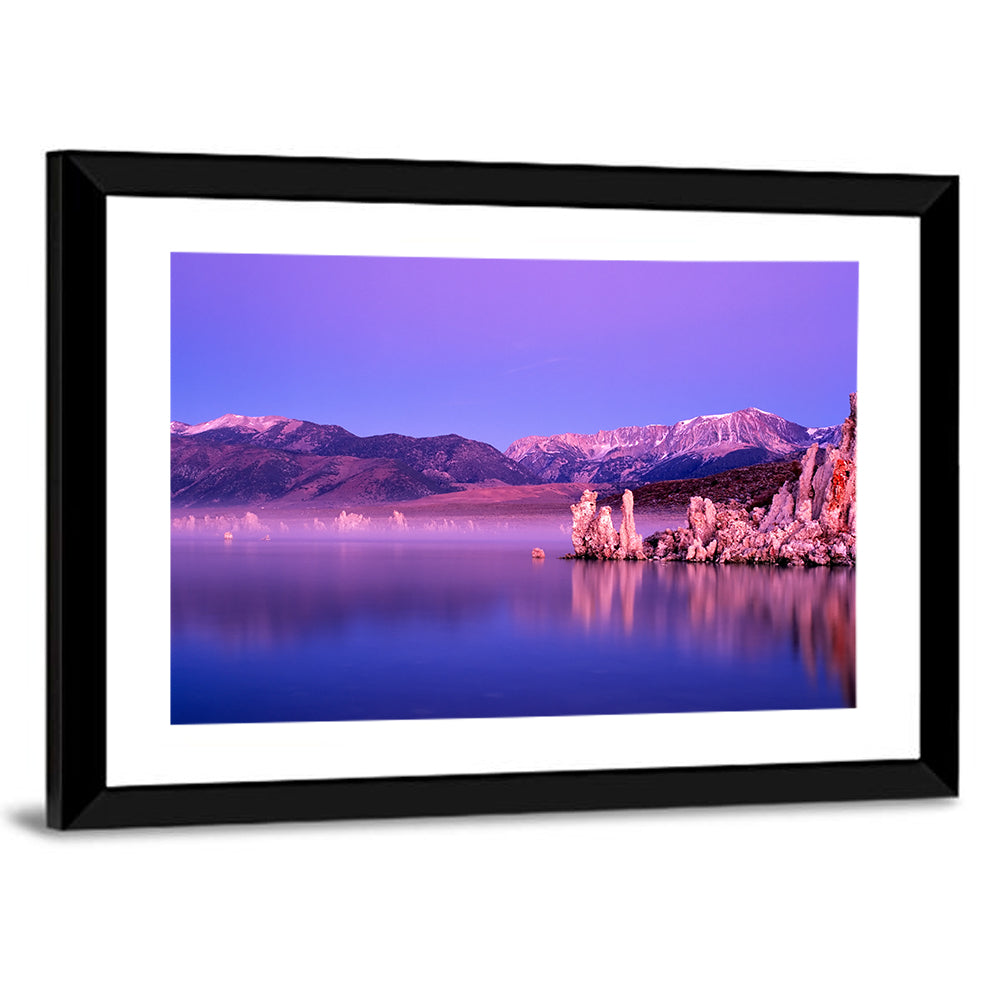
pixel 537 553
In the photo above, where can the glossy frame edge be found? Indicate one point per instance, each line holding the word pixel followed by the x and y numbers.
pixel 78 185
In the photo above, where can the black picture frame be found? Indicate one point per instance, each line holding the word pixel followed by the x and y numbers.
pixel 79 184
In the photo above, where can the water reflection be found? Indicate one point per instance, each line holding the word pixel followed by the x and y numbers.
pixel 295 631
pixel 266 596
pixel 596 586
pixel 734 611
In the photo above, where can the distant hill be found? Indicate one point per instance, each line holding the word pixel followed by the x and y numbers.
pixel 237 459
pixel 753 486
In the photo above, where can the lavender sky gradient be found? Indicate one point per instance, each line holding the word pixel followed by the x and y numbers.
pixel 498 349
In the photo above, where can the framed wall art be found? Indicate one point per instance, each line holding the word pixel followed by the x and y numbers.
pixel 396 488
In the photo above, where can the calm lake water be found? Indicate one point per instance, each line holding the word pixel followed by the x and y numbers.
pixel 293 631
pixel 333 630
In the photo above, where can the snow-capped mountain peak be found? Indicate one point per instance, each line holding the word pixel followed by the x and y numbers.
pixel 234 421
pixel 697 445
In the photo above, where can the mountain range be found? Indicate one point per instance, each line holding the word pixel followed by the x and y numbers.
pixel 699 446
pixel 256 460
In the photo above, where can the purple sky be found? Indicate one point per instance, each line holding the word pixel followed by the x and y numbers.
pixel 498 349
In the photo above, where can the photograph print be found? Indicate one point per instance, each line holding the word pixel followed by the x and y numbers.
pixel 463 488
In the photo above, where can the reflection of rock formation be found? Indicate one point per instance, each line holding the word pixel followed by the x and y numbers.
pixel 808 523
pixel 595 589
pixel 815 609
pixel 736 614
pixel 594 535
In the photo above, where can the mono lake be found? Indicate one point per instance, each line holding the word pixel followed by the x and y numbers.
pixel 309 630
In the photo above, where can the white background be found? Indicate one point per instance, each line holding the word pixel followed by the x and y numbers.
pixel 143 748
pixel 859 900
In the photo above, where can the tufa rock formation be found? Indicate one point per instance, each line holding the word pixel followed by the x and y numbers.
pixel 583 513
pixel 593 533
pixel 629 541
